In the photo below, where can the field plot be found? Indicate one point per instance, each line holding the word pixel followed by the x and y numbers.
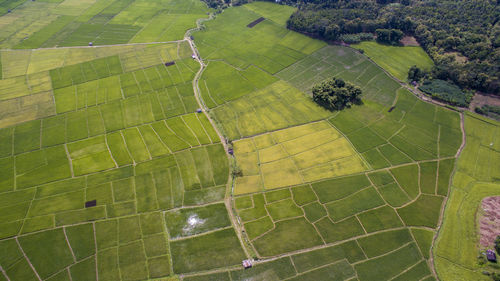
pixel 396 60
pixel 78 78
pixel 77 23
pixel 268 45
pixel 108 170
pixel 274 107
pixel 345 208
pixel 293 156
pixel 412 131
pixel 476 178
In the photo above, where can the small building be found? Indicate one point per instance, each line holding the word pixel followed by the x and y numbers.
pixel 414 83
pixel 230 151
pixel 91 44
pixel 198 110
pixel 247 264
pixel 193 56
pixel 491 256
pixel 8 11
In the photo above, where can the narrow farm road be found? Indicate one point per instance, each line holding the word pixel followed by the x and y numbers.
pixel 199 99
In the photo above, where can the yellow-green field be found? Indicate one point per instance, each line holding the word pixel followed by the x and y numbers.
pixel 294 156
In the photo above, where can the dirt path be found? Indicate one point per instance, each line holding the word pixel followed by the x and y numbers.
pixel 199 99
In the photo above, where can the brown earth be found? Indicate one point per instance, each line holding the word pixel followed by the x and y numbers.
pixel 489 221
pixel 409 41
pixel 458 57
pixel 482 99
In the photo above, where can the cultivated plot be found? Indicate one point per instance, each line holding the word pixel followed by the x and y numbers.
pixel 396 60
pixel 268 45
pixel 293 156
pixel 476 178
pixel 33 25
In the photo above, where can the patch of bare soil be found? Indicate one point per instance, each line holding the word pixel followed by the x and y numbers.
pixel 482 99
pixel 409 41
pixel 458 57
pixel 489 222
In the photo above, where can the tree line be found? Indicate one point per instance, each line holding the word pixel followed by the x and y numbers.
pixel 461 36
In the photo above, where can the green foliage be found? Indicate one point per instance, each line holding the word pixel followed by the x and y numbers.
pixel 356 38
pixel 441 27
pixel 415 73
pixel 389 36
pixel 447 92
pixel 489 110
pixel 336 94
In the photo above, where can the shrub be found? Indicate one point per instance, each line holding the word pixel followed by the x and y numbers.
pixel 447 92
pixel 491 111
pixel 415 73
pixel 336 94
pixel 356 38
pixel 389 36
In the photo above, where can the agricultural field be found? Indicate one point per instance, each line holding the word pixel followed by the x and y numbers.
pixel 41 24
pixel 137 162
pixel 294 156
pixel 476 177
pixel 395 59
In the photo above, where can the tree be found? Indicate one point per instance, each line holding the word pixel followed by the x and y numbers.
pixel 389 36
pixel 415 73
pixel 336 94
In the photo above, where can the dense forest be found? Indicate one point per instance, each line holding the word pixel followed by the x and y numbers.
pixel 461 36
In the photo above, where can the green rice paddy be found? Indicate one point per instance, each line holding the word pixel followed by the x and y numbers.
pixel 396 60
pixel 320 195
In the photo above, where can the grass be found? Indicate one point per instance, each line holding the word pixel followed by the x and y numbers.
pixel 272 12
pixel 390 265
pixel 423 212
pixel 292 235
pixel 379 244
pixel 396 60
pixel 341 271
pixel 213 250
pixel 54 244
pixel 284 209
pixel 310 260
pixel 333 232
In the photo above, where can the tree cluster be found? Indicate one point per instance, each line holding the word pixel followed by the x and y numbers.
pixel 416 74
pixel 336 94
pixel 217 4
pixel 461 36
pixel 389 36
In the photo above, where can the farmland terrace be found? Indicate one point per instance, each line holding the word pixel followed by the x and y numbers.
pixel 179 145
